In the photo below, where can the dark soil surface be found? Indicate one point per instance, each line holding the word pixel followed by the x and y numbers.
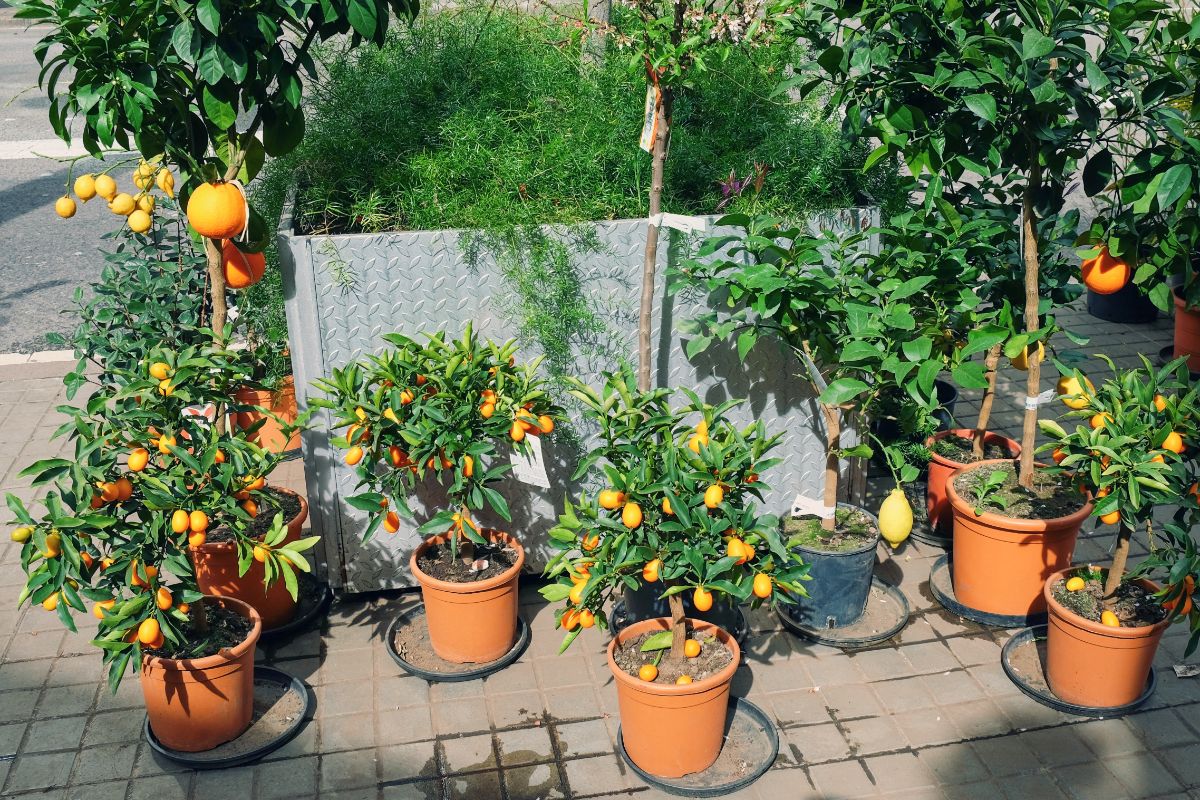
pixel 436 562
pixel 958 450
pixel 275 502
pixel 226 629
pixel 1135 607
pixel 276 709
pixel 412 644
pixel 713 658
pixel 1052 496
pixel 853 529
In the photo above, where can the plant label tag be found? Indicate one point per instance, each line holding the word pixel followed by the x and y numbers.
pixel 531 468
pixel 1031 403
pixel 808 507
pixel 649 119
pixel 680 222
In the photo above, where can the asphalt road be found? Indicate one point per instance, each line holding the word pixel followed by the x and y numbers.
pixel 42 258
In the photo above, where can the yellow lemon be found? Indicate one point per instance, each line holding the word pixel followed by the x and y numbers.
pixel 1021 360
pixel 1073 395
pixel 1075 584
pixel 64 207
pixel 122 204
pixel 895 518
pixel 85 187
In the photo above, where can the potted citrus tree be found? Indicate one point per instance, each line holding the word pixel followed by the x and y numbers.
pixel 442 409
pixel 677 512
pixel 1134 451
pixel 152 477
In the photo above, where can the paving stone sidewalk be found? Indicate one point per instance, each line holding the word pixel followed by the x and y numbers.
pixel 927 715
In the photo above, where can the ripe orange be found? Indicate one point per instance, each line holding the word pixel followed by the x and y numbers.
pixel 736 549
pixel 1110 619
pixel 101 607
pixel 406 397
pixel 648 673
pixel 87 559
pixel 1111 518
pixel 1104 273
pixel 53 545
pixel 468 467
pixel 250 507
pixel 651 569
pixel 261 551
pixel 666 507
pixel 180 521
pixel 391 523
pixel 216 210
pixel 576 593
pixel 487 410
pixel 51 602
pixel 1058 455
pixel 1100 420
pixel 1173 442
pixel 586 618
pixel 242 270
pixel 197 539
pixel 254 484
pixel 702 599
pixel 570 619
pixel 545 423
pixel 163 598
pixel 762 585
pixel 714 495
pixel 139 457
pixel 165 443
pixel 148 631
pixel 124 489
pixel 516 432
pixel 691 648
pixel 198 521
pixel 631 515
pixel 1160 403
pixel 354 455
pixel 610 498
pixel 397 456
pixel 108 491
pixel 591 542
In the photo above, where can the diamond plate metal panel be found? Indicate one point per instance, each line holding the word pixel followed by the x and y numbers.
pixel 343 292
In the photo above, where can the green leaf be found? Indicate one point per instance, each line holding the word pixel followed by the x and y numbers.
pixel 221 113
pixel 1175 181
pixel 970 376
pixel 362 16
pixel 983 105
pixel 1035 45
pixel 917 349
pixel 843 390
pixel 208 13
pixel 657 641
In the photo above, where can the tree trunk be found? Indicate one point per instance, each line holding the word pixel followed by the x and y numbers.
pixel 1117 571
pixel 216 288
pixel 678 626
pixel 1032 321
pixel 833 438
pixel 662 113
pixel 989 396
pixel 200 615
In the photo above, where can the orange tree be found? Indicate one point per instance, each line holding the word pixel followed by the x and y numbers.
pixel 173 79
pixel 677 511
pixel 1136 452
pixel 150 474
pixel 437 408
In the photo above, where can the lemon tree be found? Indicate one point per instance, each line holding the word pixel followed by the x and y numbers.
pixel 441 408
pixel 1133 448
pixel 150 474
pixel 677 511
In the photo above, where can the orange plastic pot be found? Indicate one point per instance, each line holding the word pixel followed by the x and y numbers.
pixel 1090 664
pixel 281 403
pixel 471 623
pixel 195 704
pixel 941 468
pixel 1187 333
pixel 1001 563
pixel 216 565
pixel 669 730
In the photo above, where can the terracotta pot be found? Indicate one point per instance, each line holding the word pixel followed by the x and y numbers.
pixel 471 623
pixel 940 470
pixel 669 730
pixel 195 704
pixel 1001 563
pixel 1187 333
pixel 216 565
pixel 281 403
pixel 1090 664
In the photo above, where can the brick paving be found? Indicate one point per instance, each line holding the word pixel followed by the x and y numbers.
pixel 929 714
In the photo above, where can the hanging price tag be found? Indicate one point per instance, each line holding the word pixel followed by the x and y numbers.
pixel 649 120
pixel 531 468
pixel 808 507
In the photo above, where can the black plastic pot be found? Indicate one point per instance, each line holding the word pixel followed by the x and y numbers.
pixel 644 603
pixel 1128 306
pixel 840 584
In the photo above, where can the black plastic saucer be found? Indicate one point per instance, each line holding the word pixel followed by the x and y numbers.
pixel 309 609
pixel 858 633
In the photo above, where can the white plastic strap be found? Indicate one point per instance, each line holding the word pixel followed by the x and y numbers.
pixel 1031 403
pixel 804 506
pixel 680 222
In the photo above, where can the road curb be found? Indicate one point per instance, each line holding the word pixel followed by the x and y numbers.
pixel 42 357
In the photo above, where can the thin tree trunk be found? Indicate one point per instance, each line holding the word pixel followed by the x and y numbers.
pixel 1032 320
pixel 662 112
pixel 200 615
pixel 989 396
pixel 678 627
pixel 833 437
pixel 1117 571
pixel 216 287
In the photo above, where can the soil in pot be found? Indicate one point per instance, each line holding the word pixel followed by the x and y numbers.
pixel 1052 495
pixel 276 502
pixel 226 629
pixel 959 450
pixel 475 562
pixel 1135 607
pixel 853 530
pixel 713 658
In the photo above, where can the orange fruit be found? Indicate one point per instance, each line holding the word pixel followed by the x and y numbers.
pixel 586 618
pixel 250 507
pixel 139 457
pixel 691 648
pixel 1076 584
pixel 570 619
pixel 610 498
pixel 180 520
pixel 183 608
pixel 1173 442
pixel 1160 403
pixel 487 410
pixel 87 559
pixel 1104 273
pixel 197 539
pixel 683 680
pixel 85 187
pixel 242 270
pixel 354 455
pixel 165 443
pixel 1058 455
pixel 261 552
pixel 1158 459
pixel 516 432
pixel 1111 518
pixel 219 458
pixel 714 495
pixel 124 489
pixel 406 397
pixel 762 585
pixel 51 602
pixel 631 515
pixel 53 545
pixel 545 423
pixel 735 549
pixel 576 593
pixel 648 673
pixel 651 569
pixel 1100 420
pixel 254 484
pixel 101 607
pixel 391 523
pixel 148 631
pixel 105 186
pixel 702 599
pixel 198 521
pixel 591 542
pixel 64 207
pixel 1110 619
pixel 163 598
pixel 468 467
pixel 666 507
pixel 108 491
pixel 217 210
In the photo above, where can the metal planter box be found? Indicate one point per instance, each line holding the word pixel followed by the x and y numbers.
pixel 343 291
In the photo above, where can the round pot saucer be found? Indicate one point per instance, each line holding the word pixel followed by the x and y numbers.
pixel 408 645
pixel 886 615
pixel 942 587
pixel 282 705
pixel 1024 658
pixel 750 747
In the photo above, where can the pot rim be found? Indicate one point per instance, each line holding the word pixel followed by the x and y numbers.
pixel 1014 446
pixel 845 553
pixel 1013 524
pixel 221 658
pixel 1068 616
pixel 493 582
pixel 674 689
pixel 217 547
pixel 286 385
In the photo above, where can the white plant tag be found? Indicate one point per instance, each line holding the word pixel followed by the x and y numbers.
pixel 1031 403
pixel 649 119
pixel 808 507
pixel 531 468
pixel 680 222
